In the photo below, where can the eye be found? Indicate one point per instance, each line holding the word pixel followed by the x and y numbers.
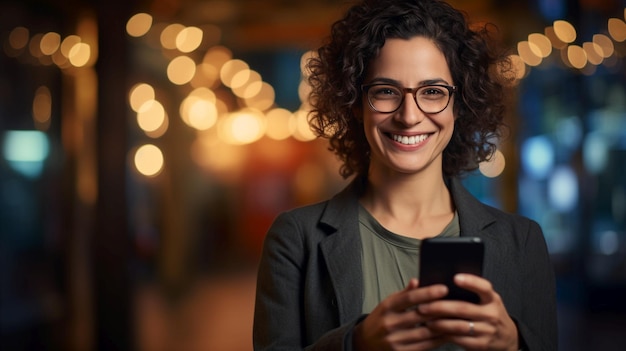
pixel 384 92
pixel 433 92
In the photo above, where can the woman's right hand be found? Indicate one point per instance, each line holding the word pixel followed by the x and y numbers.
pixel 396 324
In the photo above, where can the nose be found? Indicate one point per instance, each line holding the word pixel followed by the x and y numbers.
pixel 409 114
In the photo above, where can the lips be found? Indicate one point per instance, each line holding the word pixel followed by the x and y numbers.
pixel 409 140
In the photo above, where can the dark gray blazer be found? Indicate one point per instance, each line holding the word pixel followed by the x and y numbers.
pixel 310 279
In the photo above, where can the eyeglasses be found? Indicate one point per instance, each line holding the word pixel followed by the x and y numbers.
pixel 387 98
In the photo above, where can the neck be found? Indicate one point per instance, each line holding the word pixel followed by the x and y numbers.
pixel 397 194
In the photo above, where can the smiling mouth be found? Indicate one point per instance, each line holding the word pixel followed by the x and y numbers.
pixel 409 140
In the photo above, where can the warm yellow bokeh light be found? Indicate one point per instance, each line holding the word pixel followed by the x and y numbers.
pixel 493 167
pixel 304 90
pixel 304 62
pixel 139 94
pixel 181 70
pixel 169 35
pixel 139 24
pixel 18 38
pixel 565 31
pixel 50 43
pixel 79 54
pixel 230 69
pixel 201 108
pixel 202 114
pixel 240 79
pixel 149 160
pixel 594 53
pixel 541 43
pixel 218 157
pixel 248 88
pixel 68 43
pixel 605 43
pixel 576 56
pixel 151 116
pixel 303 130
pixel 242 127
pixel 527 54
pixel 281 124
pixel 204 93
pixel 554 40
pixel 217 56
pixel 617 29
pixel 189 39
pixel 519 66
pixel 264 99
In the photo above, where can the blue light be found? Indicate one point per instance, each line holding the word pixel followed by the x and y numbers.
pixel 552 9
pixel 26 151
pixel 563 189
pixel 596 152
pixel 537 157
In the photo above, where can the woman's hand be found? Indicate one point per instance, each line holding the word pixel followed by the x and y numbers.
pixel 396 324
pixel 483 326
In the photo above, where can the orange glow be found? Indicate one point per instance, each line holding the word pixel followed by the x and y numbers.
pixel 565 31
pixel 18 38
pixel 139 24
pixel 189 39
pixel 42 108
pixel 139 94
pixel 181 70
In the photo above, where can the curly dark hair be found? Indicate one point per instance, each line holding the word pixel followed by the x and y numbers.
pixel 338 70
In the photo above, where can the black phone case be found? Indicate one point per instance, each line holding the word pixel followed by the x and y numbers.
pixel 442 258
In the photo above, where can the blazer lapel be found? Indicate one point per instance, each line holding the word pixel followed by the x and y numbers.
pixel 341 250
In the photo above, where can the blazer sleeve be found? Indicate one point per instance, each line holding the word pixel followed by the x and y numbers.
pixel 278 323
pixel 537 323
pixel 279 316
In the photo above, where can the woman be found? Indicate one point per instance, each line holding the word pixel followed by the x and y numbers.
pixel 409 98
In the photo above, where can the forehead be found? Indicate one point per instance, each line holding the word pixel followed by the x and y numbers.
pixel 409 61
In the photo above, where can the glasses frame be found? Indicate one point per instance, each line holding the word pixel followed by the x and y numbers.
pixel 451 90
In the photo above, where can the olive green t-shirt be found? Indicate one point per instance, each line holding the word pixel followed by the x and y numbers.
pixel 389 260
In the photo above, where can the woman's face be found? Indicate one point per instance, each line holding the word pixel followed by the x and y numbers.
pixel 408 140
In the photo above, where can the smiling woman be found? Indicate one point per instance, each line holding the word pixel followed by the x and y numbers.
pixel 407 94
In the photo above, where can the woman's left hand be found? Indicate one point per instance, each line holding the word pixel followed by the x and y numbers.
pixel 482 326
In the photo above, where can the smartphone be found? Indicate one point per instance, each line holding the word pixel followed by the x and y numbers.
pixel 442 258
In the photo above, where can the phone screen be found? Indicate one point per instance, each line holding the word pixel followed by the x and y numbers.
pixel 442 258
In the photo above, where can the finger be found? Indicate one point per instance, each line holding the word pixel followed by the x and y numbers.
pixel 409 298
pixel 477 284
pixel 422 338
pixel 459 327
pixel 451 309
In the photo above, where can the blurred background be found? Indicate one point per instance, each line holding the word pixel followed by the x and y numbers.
pixel 147 145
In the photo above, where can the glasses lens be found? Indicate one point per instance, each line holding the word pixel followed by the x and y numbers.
pixel 384 98
pixel 432 98
pixel 387 98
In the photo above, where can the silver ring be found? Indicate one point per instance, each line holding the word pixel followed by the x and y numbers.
pixel 471 328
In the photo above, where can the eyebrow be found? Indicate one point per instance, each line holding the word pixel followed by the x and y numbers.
pixel 384 80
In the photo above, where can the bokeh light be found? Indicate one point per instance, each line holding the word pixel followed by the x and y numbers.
pixel 148 160
pixel 139 24
pixel 139 94
pixel 189 39
pixel 563 189
pixel 494 166
pixel 537 157
pixel 181 70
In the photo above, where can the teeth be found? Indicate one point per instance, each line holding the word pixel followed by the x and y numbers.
pixel 409 140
